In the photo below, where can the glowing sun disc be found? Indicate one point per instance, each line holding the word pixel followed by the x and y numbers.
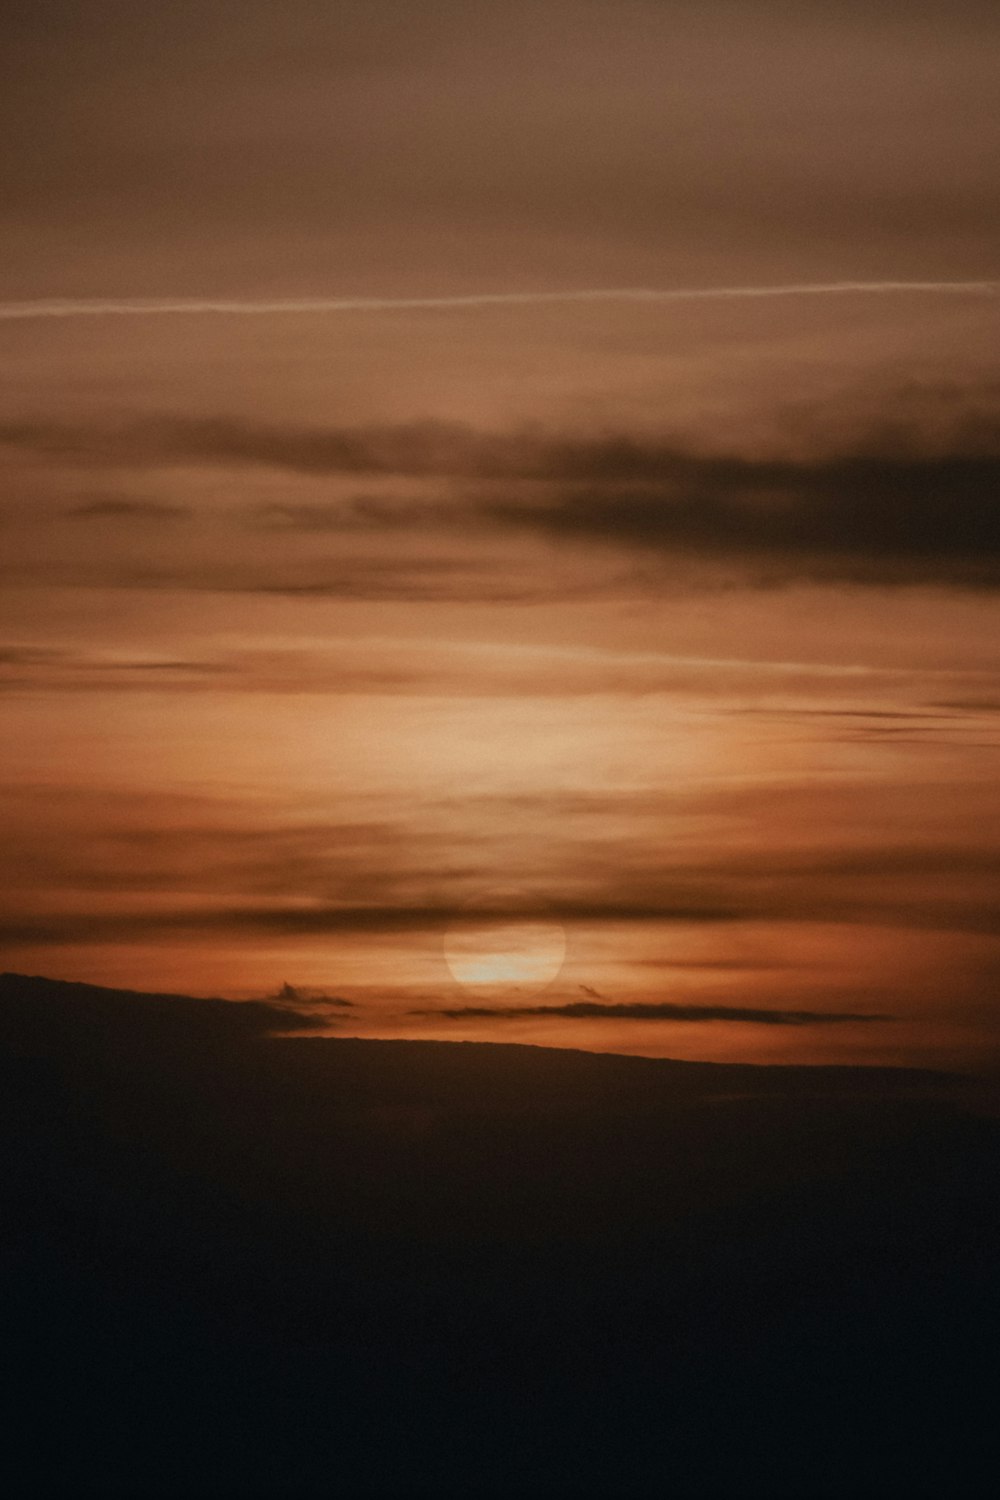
pixel 498 951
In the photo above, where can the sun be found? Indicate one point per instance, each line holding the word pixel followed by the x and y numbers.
pixel 496 947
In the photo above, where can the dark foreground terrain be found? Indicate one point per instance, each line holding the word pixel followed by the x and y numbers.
pixel 235 1264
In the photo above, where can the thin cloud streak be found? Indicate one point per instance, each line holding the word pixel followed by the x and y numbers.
pixel 638 1011
pixel 56 307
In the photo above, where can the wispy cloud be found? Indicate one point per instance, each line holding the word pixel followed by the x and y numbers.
pixel 126 307
pixel 591 1010
pixel 359 513
pixel 112 508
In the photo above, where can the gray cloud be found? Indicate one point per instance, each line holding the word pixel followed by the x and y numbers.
pixel 895 506
pixel 862 518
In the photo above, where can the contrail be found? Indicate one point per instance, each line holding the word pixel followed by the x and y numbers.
pixel 100 307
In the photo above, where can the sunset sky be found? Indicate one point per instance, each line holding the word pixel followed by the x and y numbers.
pixel 660 635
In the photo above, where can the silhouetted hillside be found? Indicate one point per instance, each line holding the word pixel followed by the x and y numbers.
pixel 242 1264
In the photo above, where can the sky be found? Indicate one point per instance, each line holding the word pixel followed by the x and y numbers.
pixel 613 672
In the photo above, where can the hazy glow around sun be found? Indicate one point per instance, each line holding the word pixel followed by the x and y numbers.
pixel 505 952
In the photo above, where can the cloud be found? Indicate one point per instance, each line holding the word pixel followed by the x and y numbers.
pixel 156 665
pixel 589 1010
pixel 296 995
pixel 907 502
pixel 374 581
pixel 361 513
pixel 99 307
pixel 865 518
pixel 30 656
pixel 932 911
pixel 63 669
pixel 970 706
pixel 311 918
pixel 796 711
pixel 112 509
pixel 414 448
pixel 85 867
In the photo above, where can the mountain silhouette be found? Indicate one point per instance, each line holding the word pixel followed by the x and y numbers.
pixel 237 1262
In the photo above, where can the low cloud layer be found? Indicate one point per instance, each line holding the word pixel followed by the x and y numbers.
pixel 589 1010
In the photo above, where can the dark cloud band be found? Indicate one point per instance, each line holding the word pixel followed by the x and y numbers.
pixel 892 508
pixel 589 1010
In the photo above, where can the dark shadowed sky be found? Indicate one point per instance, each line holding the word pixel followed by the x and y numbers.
pixel 392 146
pixel 657 638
